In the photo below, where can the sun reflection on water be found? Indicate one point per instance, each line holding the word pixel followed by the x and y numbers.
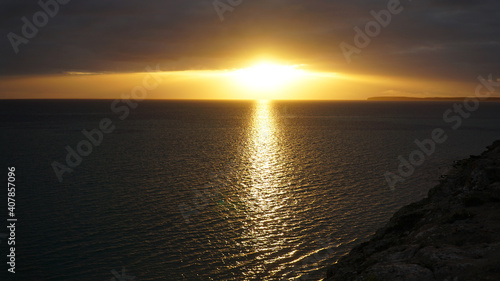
pixel 266 192
pixel 264 147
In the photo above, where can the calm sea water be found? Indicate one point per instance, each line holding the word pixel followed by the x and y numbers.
pixel 215 190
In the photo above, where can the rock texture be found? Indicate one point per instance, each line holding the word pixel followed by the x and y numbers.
pixel 453 234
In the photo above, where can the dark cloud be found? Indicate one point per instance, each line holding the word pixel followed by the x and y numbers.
pixel 455 39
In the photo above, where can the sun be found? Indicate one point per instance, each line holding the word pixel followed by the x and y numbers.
pixel 267 76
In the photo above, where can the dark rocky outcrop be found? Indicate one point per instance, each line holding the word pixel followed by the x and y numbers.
pixel 453 234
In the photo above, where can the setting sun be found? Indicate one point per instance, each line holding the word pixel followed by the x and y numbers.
pixel 267 76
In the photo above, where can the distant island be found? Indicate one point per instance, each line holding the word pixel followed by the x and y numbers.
pixel 390 98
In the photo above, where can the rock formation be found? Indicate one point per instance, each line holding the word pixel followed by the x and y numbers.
pixel 453 234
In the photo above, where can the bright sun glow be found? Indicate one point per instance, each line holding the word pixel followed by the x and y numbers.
pixel 267 76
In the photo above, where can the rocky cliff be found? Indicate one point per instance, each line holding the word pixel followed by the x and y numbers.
pixel 453 234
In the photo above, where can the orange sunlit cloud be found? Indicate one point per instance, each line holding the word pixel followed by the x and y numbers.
pixel 262 80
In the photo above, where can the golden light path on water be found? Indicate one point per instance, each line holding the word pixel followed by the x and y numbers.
pixel 267 195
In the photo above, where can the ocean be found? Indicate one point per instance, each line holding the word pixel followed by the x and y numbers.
pixel 217 190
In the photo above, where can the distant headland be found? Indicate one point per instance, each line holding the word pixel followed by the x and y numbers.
pixel 402 98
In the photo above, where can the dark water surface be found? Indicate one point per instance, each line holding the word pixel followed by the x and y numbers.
pixel 216 190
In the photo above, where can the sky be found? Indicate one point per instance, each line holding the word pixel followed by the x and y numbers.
pixel 100 49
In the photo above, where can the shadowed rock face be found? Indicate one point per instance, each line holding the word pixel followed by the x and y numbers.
pixel 453 234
